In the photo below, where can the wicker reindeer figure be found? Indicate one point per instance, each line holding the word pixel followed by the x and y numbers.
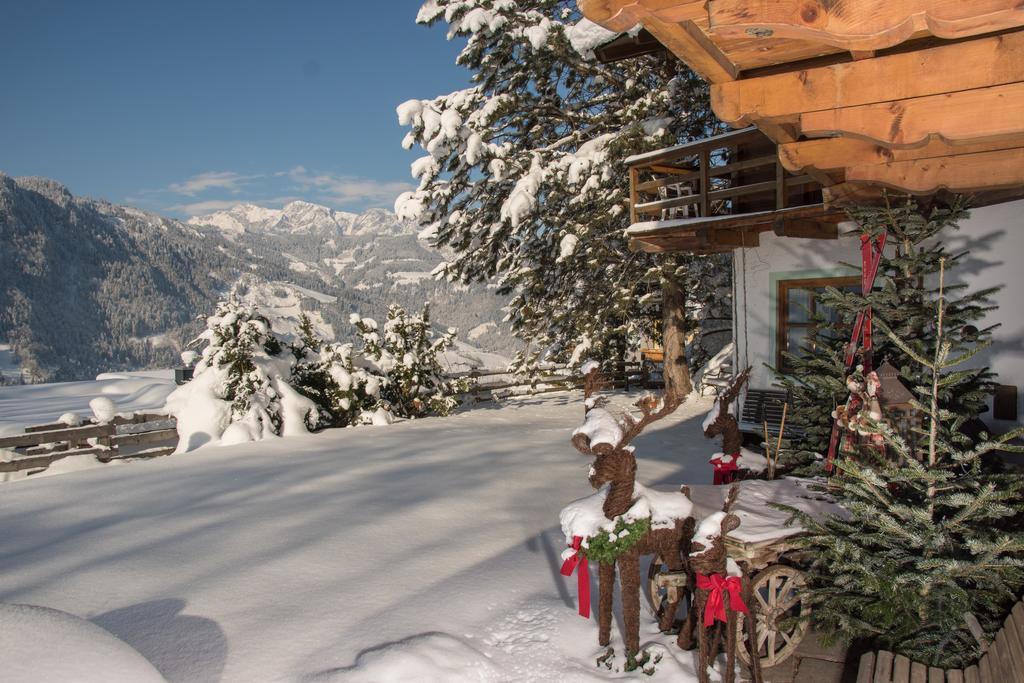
pixel 726 426
pixel 718 592
pixel 607 439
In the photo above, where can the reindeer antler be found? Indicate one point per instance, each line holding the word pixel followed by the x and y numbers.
pixel 628 426
pixel 593 382
pixel 732 391
pixel 730 498
pixel 650 412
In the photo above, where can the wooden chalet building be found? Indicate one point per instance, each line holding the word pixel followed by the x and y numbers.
pixel 835 101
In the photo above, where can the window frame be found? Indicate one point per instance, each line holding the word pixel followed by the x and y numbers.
pixel 782 323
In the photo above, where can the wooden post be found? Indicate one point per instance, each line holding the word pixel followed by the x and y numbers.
pixel 673 310
pixel 620 363
pixel 705 182
pixel 634 180
pixel 780 186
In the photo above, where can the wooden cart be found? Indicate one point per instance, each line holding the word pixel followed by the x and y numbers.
pixel 777 581
pixel 780 609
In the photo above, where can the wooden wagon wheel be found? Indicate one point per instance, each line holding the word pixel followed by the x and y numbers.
pixel 779 600
pixel 660 581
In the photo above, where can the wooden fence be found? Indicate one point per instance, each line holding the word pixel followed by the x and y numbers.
pixel 1002 661
pixel 150 435
pixel 141 435
pixel 489 385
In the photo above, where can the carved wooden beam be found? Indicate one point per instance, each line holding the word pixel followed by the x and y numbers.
pixel 622 15
pixel 979 63
pixel 861 24
pixel 670 21
pixel 692 46
pixel 961 173
pixel 968 115
pixel 831 154
pixel 848 194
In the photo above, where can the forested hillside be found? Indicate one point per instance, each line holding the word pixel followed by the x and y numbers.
pixel 87 286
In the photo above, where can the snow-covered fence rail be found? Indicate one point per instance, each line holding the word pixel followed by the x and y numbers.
pixel 487 385
pixel 139 435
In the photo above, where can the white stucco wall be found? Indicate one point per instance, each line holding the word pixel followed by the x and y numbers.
pixel 994 235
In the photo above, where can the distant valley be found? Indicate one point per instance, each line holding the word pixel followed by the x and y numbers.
pixel 87 286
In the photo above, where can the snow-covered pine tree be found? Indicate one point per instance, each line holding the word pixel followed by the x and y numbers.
pixel 904 298
pixel 327 373
pixel 246 366
pixel 523 180
pixel 238 334
pixel 406 353
pixel 933 538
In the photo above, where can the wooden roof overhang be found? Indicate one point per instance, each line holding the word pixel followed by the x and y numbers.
pixel 914 95
pixel 627 46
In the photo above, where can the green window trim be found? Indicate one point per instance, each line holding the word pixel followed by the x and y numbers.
pixel 776 277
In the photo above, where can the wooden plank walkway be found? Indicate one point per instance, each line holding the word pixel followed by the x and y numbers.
pixel 811 663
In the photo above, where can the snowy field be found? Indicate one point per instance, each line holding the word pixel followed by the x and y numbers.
pixel 426 550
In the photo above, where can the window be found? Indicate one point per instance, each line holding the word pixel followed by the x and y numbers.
pixel 798 307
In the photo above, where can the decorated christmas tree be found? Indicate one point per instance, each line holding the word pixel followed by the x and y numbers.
pixel 932 542
pixel 904 299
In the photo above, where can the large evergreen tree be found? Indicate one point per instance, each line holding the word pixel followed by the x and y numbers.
pixel 523 179
pixel 904 298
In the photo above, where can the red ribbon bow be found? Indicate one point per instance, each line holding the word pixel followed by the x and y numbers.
pixel 578 559
pixel 714 609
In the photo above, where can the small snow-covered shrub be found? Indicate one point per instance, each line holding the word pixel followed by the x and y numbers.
pixel 257 378
pixel 331 376
pixel 406 352
pixel 243 347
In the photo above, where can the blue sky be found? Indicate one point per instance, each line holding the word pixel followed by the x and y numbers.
pixel 184 107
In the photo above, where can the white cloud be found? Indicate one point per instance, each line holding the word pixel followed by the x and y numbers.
pixel 222 180
pixel 341 189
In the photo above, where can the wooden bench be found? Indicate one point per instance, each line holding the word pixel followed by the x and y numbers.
pixel 1002 662
pixel 765 405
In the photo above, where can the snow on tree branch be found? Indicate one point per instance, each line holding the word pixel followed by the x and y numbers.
pixel 522 180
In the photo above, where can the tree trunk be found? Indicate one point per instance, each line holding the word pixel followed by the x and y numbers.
pixel 673 311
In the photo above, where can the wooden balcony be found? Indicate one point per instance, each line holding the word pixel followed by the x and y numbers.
pixel 720 193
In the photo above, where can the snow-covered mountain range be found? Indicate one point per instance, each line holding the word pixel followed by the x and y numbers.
pixel 87 286
pixel 299 217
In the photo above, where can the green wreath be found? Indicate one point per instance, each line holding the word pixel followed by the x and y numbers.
pixel 601 548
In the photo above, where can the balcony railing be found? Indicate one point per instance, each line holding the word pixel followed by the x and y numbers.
pixel 718 193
